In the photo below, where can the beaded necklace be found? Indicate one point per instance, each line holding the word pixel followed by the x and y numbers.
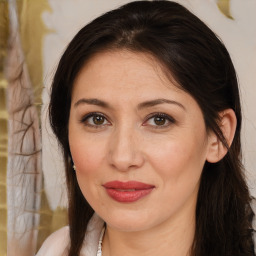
pixel 99 251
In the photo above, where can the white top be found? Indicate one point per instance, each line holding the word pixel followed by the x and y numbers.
pixel 57 243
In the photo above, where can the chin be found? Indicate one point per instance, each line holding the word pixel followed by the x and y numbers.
pixel 129 226
pixel 129 221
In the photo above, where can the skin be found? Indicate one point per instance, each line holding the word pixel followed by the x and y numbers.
pixel 130 145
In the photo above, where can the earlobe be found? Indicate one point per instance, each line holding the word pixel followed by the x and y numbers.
pixel 217 150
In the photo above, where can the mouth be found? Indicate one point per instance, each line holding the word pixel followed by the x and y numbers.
pixel 127 192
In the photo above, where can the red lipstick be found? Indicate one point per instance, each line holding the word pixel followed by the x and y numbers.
pixel 127 192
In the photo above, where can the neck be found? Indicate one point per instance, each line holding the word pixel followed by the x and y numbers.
pixel 172 237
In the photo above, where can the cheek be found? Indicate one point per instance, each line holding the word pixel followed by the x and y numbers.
pixel 87 155
pixel 88 159
pixel 179 159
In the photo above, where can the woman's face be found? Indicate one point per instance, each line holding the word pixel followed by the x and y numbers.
pixel 138 142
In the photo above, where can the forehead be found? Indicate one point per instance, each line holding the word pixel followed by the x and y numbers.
pixel 124 70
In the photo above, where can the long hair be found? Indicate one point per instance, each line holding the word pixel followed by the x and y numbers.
pixel 193 57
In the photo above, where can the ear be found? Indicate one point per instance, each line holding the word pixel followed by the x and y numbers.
pixel 217 150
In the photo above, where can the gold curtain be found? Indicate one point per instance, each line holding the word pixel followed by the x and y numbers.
pixel 25 210
pixel 3 127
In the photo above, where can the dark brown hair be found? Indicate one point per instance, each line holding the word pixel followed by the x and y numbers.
pixel 197 60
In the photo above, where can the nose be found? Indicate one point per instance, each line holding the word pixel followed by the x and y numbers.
pixel 125 149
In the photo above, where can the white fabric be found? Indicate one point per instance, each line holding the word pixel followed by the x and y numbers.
pixel 57 243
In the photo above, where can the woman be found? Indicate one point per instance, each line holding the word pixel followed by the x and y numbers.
pixel 145 105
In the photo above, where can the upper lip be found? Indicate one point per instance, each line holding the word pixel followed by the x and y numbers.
pixel 127 185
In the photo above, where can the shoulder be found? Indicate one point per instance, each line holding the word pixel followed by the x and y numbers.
pixel 56 244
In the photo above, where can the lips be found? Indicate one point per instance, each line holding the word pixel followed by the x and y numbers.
pixel 127 192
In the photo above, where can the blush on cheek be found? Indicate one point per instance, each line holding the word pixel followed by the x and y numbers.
pixel 177 160
pixel 85 160
pixel 85 164
pixel 171 155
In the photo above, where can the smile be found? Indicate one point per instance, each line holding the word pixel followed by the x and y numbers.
pixel 127 192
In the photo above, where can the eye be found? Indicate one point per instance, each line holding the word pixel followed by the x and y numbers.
pixel 159 120
pixel 95 120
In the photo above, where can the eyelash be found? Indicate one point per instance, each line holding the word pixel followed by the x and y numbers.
pixel 166 117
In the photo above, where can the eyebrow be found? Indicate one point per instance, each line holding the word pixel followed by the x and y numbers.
pixel 146 104
pixel 96 102
pixel 152 103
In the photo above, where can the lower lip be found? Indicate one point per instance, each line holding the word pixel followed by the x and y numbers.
pixel 128 196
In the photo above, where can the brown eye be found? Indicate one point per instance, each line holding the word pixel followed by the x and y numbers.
pixel 98 120
pixel 159 120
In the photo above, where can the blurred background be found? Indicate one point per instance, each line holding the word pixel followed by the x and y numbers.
pixel 33 35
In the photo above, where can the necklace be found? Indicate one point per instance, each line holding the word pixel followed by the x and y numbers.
pixel 99 251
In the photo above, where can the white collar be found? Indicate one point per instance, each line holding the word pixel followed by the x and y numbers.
pixel 94 233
